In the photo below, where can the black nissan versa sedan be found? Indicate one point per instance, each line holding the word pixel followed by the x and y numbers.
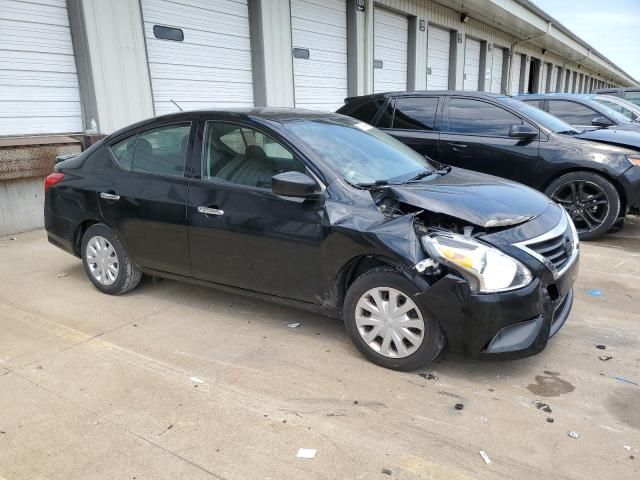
pixel 326 213
pixel 597 183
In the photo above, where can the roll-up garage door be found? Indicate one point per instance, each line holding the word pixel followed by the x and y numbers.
pixel 199 53
pixel 39 90
pixel 438 54
pixel 496 70
pixel 319 37
pixel 390 44
pixel 515 73
pixel 471 64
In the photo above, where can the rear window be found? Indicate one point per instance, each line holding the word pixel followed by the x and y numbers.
pixel 367 110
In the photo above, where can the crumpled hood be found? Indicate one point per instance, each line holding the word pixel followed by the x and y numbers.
pixel 483 200
pixel 623 138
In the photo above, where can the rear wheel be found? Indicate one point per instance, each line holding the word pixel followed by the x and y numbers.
pixel 387 325
pixel 106 261
pixel 593 203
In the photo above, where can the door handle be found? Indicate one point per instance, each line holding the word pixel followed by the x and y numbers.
pixel 109 196
pixel 458 145
pixel 210 211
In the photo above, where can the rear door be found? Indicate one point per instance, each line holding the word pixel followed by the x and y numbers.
pixel 475 135
pixel 415 123
pixel 240 233
pixel 142 192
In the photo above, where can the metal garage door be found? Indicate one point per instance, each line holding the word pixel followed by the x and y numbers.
pixel 211 66
pixel 496 70
pixel 319 37
pixel 438 49
pixel 515 73
pixel 390 43
pixel 39 90
pixel 471 64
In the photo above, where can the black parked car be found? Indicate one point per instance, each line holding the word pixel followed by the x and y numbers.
pixel 581 111
pixel 598 184
pixel 632 94
pixel 327 213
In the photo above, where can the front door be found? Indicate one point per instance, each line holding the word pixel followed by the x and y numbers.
pixel 240 233
pixel 142 193
pixel 475 135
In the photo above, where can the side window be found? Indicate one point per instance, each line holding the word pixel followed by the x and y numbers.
pixel 572 112
pixel 244 156
pixel 633 97
pixel 160 150
pixel 618 108
pixel 386 116
pixel 476 117
pixel 367 110
pixel 415 113
pixel 533 103
pixel 123 151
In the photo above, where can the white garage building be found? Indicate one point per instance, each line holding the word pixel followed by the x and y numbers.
pixel 69 68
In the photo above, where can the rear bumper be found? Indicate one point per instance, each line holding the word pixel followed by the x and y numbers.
pixel 500 326
pixel 60 232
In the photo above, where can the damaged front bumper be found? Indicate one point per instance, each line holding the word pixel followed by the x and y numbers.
pixel 504 325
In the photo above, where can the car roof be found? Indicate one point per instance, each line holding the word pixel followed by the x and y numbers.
pixel 425 93
pixel 281 115
pixel 542 96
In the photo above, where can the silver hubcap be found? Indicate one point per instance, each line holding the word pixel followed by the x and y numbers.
pixel 389 322
pixel 102 260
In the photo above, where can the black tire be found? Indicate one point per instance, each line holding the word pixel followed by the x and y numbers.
pixel 618 226
pixel 433 340
pixel 128 276
pixel 592 201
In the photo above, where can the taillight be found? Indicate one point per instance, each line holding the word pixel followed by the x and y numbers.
pixel 52 180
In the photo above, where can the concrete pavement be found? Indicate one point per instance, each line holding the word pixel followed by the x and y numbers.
pixel 176 381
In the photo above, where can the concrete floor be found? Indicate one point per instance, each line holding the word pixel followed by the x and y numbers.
pixel 176 381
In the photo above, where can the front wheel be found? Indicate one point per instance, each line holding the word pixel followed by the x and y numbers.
pixel 593 203
pixel 387 325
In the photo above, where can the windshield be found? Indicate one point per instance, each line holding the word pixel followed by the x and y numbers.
pixel 361 153
pixel 540 116
pixel 617 116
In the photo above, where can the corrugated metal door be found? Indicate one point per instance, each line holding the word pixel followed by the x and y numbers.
pixel 438 54
pixel 496 70
pixel 471 64
pixel 211 66
pixel 515 73
pixel 390 44
pixel 39 90
pixel 319 37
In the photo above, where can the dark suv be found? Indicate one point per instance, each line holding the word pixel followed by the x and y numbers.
pixel 597 183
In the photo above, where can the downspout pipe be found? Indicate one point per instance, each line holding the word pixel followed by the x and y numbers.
pixel 512 52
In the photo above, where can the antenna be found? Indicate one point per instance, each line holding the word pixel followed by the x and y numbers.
pixel 179 107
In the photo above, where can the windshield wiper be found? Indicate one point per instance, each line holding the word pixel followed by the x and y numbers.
pixel 420 176
pixel 569 132
pixel 444 170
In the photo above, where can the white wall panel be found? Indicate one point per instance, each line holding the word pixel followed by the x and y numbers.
pixel 471 64
pixel 516 66
pixel 438 57
pixel 39 90
pixel 212 66
pixel 391 42
pixel 496 70
pixel 320 81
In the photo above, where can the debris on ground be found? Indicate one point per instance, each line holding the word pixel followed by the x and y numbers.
pixel 459 406
pixel 386 471
pixel 573 434
pixel 429 376
pixel 622 379
pixel 12 238
pixel 484 420
pixel 448 394
pixel 485 457
pixel 196 380
pixel 62 275
pixel 293 325
pixel 542 406
pixel 594 292
pixel 626 447
pixel 306 453
pixel 605 358
pixel 601 347
pixel 549 419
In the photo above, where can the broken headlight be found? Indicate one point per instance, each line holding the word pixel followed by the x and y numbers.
pixel 486 269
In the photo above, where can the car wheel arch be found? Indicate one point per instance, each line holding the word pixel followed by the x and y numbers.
pixel 82 228
pixel 602 173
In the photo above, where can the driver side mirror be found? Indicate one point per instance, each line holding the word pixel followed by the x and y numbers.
pixel 601 122
pixel 523 132
pixel 294 184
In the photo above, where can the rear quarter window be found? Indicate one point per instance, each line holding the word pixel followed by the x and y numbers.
pixel 367 110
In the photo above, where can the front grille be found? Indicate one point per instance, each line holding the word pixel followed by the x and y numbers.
pixel 556 250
